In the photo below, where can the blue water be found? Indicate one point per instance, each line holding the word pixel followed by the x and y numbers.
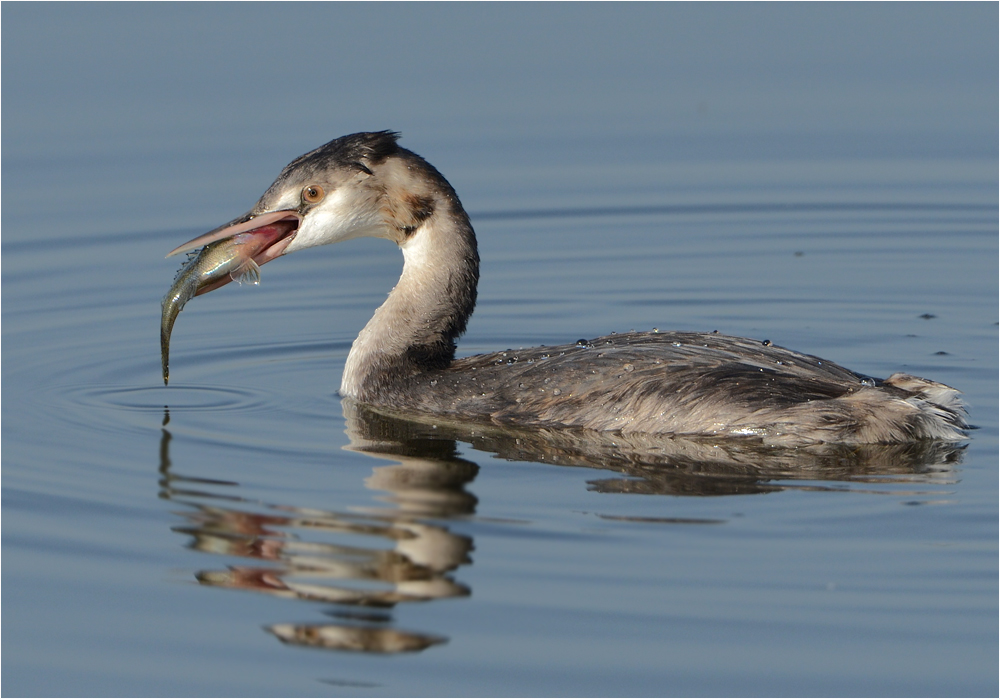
pixel 821 176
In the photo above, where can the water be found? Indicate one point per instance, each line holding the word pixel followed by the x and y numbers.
pixel 243 532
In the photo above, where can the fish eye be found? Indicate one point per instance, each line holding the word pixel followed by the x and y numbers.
pixel 313 193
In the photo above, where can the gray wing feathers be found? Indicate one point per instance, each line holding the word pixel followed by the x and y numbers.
pixel 689 383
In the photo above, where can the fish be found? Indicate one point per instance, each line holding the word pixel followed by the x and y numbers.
pixel 215 264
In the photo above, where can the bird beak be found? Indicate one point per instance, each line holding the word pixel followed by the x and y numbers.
pixel 247 223
pixel 275 229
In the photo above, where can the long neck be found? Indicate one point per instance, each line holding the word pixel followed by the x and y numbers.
pixel 416 328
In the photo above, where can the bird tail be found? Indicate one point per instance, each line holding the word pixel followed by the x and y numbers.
pixel 940 411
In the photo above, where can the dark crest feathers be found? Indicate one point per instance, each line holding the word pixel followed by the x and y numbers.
pixel 349 151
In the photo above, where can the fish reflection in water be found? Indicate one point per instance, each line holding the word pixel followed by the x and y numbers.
pixel 427 484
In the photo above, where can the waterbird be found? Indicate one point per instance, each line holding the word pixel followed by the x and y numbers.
pixel 665 383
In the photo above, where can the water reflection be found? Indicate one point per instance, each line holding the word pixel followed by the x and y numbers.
pixel 660 465
pixel 399 548
pixel 293 552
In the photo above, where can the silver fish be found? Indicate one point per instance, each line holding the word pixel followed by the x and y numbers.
pixel 214 265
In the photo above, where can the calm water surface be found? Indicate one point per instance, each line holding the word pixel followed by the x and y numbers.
pixel 243 532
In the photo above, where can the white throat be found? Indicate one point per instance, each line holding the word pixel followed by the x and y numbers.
pixel 425 311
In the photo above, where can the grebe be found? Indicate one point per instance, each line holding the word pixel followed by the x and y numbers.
pixel 672 383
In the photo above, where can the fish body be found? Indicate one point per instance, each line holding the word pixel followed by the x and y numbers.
pixel 214 265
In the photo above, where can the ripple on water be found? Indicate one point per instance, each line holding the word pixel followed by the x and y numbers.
pixel 178 397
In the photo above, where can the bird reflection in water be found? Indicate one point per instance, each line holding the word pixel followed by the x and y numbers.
pixel 651 464
pixel 426 485
pixel 288 561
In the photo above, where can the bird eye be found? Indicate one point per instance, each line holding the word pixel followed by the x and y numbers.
pixel 313 193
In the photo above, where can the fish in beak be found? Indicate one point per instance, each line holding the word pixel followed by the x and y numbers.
pixel 231 252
